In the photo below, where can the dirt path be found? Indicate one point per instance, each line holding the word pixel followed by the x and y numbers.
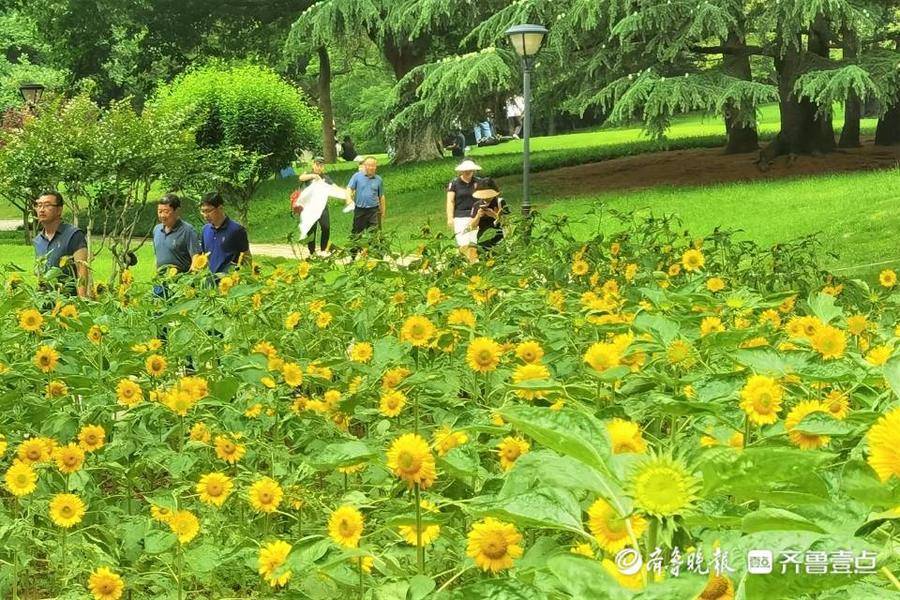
pixel 703 167
pixel 9 224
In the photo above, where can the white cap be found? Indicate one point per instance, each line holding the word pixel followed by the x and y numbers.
pixel 467 165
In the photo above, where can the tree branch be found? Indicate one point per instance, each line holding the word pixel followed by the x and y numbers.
pixel 736 50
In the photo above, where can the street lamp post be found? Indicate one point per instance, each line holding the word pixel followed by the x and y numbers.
pixel 526 40
pixel 31 94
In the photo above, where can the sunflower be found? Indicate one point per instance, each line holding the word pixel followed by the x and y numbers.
pixel 91 438
pixel 829 341
pixel 461 316
pixel 494 544
pixel 633 582
pixel 837 404
pixel 229 450
pixel 483 355
pixel 529 351
pixel 31 320
pixel 510 449
pixel 711 325
pixel 761 399
pixel 610 529
pixel 69 458
pixel 884 445
pixel 417 330
pixel 21 479
pixel 879 355
pixel 625 437
pixel 161 513
pixel 33 450
pixel 185 525
pixel 292 320
pixel 155 365
pixel 199 262
pixel 606 355
pixel 66 510
pixel 46 358
pixel 530 372
pixel 802 440
pixel 265 348
pixel 200 433
pixel 583 550
pixel 445 440
pixel 662 486
pixel 692 260
pixel 303 269
pixel 345 526
pixel 128 393
pixel 105 584
pixel 433 296
pixel 580 267
pixel 719 587
pixel 410 459
pixel 214 488
pixel 360 352
pixel 323 319
pixel 392 402
pixel 95 334
pixel 887 278
pixel 715 284
pixel 265 495
pixel 292 373
pixel 857 324
pixel 429 532
pixel 272 558
pixel 3 445
pixel 771 318
pixel 680 353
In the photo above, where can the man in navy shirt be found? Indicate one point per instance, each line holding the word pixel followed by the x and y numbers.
pixel 60 245
pixel 366 192
pixel 224 239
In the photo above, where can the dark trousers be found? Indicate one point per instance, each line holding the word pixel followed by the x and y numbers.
pixel 324 223
pixel 364 219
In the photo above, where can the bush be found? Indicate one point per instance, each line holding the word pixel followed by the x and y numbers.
pixel 249 108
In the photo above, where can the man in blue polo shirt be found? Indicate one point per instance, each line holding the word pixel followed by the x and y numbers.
pixel 60 246
pixel 366 192
pixel 224 239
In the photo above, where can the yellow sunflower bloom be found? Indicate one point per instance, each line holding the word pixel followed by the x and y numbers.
pixel 530 372
pixel 410 459
pixel 761 399
pixel 272 558
pixel 445 440
pixel 185 525
pixel 214 488
pixel 609 528
pixel 20 479
pixel 265 495
pixel 229 450
pixel 529 351
pixel 105 584
pixel 155 365
pixel 69 458
pixel 360 352
pixel 887 278
pixel 510 449
pixel 66 510
pixel 663 487
pixel 494 545
pixel 692 260
pixel 829 341
pixel 429 532
pixel 417 330
pixel 392 403
pixel 345 526
pixel 46 358
pixel 31 320
pixel 129 393
pixel 483 355
pixel 33 450
pixel 91 438
pixel 292 373
pixel 802 440
pixel 461 317
pixel 625 437
pixel 884 445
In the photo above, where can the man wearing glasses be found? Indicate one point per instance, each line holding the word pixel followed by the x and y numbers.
pixel 60 246
pixel 225 240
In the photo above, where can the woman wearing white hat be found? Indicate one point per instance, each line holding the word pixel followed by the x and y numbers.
pixel 459 208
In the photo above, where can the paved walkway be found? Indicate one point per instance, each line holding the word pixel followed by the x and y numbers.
pixel 9 224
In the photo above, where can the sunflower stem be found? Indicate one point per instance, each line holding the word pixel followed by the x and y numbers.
pixel 420 547
pixel 651 544
pixel 178 560
pixel 747 430
pixel 359 565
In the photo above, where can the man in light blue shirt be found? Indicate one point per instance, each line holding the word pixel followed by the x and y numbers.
pixel 366 192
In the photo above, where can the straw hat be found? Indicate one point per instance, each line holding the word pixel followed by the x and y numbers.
pixel 467 165
pixel 485 194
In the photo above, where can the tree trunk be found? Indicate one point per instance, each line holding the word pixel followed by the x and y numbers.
pixel 330 153
pixel 887 133
pixel 417 141
pixel 804 129
pixel 741 136
pixel 852 105
pixel 413 145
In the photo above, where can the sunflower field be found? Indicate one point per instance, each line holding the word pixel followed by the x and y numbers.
pixel 638 414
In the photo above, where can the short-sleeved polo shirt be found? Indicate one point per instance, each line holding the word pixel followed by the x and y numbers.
pixel 67 240
pixel 225 244
pixel 368 190
pixel 175 248
pixel 463 201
